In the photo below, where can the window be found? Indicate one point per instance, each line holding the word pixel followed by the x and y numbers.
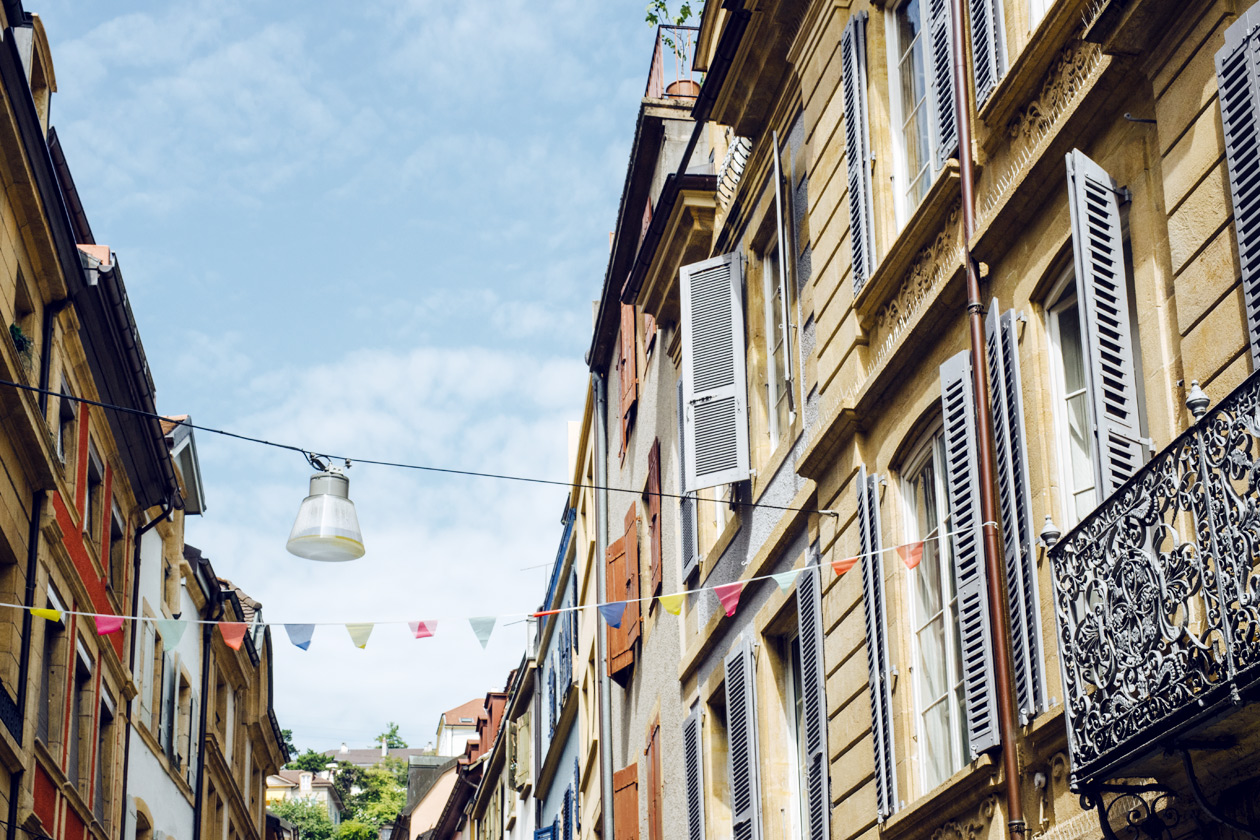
pixel 794 696
pixel 81 708
pixel 159 679
pixel 117 551
pixel 104 762
pixel 52 681
pixel 95 495
pixel 1036 11
pixel 1071 405
pixel 65 424
pixel 184 724
pixel 938 684
pixel 778 389
pixel 25 326
pixel 911 105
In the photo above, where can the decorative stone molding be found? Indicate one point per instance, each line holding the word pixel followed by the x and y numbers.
pixel 973 827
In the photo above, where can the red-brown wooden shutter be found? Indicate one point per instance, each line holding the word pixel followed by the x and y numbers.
pixel 654 514
pixel 633 616
pixel 615 576
pixel 626 803
pixel 629 371
pixel 655 829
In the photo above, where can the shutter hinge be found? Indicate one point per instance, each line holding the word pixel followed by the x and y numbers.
pixel 1124 194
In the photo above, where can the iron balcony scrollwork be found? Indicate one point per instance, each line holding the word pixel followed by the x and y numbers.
pixel 1157 592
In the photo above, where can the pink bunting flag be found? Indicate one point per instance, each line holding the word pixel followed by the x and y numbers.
pixel 728 594
pixel 911 554
pixel 233 633
pixel 842 566
pixel 106 624
pixel 422 629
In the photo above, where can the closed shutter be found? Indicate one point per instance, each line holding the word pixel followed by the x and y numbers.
pixel 523 753
pixel 941 80
pixel 814 703
pixel 577 796
pixel 615 584
pixel 655 831
pixel 687 504
pixel 631 619
pixel 693 773
pixel 877 661
pixel 166 734
pixel 654 515
pixel 1018 540
pixel 626 803
pixel 566 817
pixel 1104 295
pixel 988 48
pixel 958 409
pixel 857 150
pixel 741 722
pixel 716 387
pixel 628 365
pixel 146 672
pixel 1238 79
pixel 194 739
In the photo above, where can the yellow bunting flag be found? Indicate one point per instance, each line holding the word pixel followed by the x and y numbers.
pixel 672 603
pixel 47 615
pixel 359 633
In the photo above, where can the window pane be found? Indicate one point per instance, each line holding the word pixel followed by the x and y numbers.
pixel 938 749
pixel 1072 349
pixel 932 665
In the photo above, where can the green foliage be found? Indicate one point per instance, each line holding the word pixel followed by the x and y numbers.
pixel 309 816
pixel 392 739
pixel 658 13
pixel 382 794
pixel 355 830
pixel 309 760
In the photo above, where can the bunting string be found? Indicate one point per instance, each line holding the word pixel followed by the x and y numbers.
pixel 300 635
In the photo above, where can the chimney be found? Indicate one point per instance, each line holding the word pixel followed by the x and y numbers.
pixel 344 748
pixel 384 749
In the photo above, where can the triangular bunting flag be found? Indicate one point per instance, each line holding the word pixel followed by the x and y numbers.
pixel 46 614
pixel 671 603
pixel 482 627
pixel 106 624
pixel 423 629
pixel 359 633
pixel 612 613
pixel 300 634
pixel 785 579
pixel 842 566
pixel 543 613
pixel 912 553
pixel 233 633
pixel 728 594
pixel 171 630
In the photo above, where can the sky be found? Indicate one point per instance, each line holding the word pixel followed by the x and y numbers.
pixel 373 229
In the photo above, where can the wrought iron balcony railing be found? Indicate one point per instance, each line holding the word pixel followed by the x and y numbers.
pixel 1157 596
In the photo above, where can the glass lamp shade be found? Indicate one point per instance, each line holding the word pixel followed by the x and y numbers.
pixel 327 527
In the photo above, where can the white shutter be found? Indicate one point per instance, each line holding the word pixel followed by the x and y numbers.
pixel 937 51
pixel 194 739
pixel 166 731
pixel 857 146
pixel 958 408
pixel 814 703
pixel 1238 79
pixel 988 47
pixel 715 383
pixel 1018 538
pixel 877 660
pixel 1098 243
pixel 741 723
pixel 145 674
pixel 686 504
pixel 693 772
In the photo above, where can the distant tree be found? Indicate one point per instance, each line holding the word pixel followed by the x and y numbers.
pixel 310 760
pixel 355 830
pixel 658 13
pixel 287 735
pixel 348 780
pixel 391 737
pixel 309 816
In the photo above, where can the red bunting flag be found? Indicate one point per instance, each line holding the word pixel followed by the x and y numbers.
pixel 911 554
pixel 107 624
pixel 233 633
pixel 546 612
pixel 728 594
pixel 842 566
pixel 423 629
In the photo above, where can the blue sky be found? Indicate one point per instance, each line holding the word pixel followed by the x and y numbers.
pixel 373 228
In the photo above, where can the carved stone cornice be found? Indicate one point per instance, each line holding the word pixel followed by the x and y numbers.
pixel 973 826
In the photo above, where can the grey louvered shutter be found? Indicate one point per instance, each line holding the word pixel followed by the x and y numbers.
pixel 1238 78
pixel 693 773
pixel 857 150
pixel 194 739
pixel 940 80
pixel 988 48
pixel 1018 539
pixel 687 504
pixel 167 730
pixel 814 703
pixel 715 385
pixel 1098 243
pixel 958 409
pixel 877 660
pixel 741 723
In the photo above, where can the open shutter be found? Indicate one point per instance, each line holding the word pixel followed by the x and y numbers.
pixel 194 739
pixel 545 833
pixel 988 51
pixel 166 734
pixel 631 619
pixel 814 702
pixel 877 660
pixel 741 723
pixel 941 80
pixel 857 150
pixel 626 803
pixel 524 751
pixel 693 773
pixel 958 408
pixel 1103 289
pixel 715 420
pixel 145 671
pixel 629 365
pixel 577 795
pixel 654 515
pixel 655 783
pixel 687 504
pixel 615 584
pixel 1238 79
pixel 1018 539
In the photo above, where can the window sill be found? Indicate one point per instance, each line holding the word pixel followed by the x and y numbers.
pixel 964 792
pixel 927 220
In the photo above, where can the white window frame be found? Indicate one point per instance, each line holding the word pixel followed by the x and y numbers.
pixel 1056 303
pixel 794 675
pixel 774 388
pixel 926 449
pixel 901 174
pixel 1037 10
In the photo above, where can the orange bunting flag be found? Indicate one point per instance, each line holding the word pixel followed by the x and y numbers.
pixel 233 633
pixel 542 613
pixel 842 566
pixel 911 554
pixel 728 594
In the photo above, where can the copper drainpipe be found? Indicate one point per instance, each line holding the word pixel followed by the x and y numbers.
pixel 993 560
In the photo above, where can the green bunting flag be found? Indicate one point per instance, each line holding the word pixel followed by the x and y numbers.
pixel 171 630
pixel 482 627
pixel 785 579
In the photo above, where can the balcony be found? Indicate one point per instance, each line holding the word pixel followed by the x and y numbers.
pixel 671 75
pixel 1157 602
